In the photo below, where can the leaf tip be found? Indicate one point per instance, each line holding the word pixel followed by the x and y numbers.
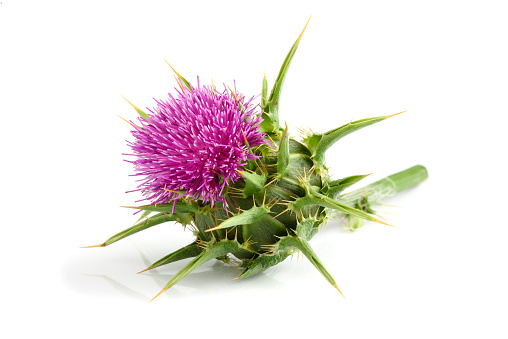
pixel 301 34
pixel 100 245
pixel 382 222
pixel 174 70
pixel 389 116
pixel 337 287
pixel 162 291
pixel 146 269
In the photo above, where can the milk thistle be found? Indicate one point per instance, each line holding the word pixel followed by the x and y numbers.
pixel 213 161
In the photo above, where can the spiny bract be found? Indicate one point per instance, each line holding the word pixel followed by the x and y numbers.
pixel 210 161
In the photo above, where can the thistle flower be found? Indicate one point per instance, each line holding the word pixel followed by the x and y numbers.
pixel 194 144
pixel 198 143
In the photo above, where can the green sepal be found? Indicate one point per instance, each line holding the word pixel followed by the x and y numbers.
pixel 179 207
pixel 306 228
pixel 315 198
pixel 273 101
pixel 336 186
pixel 253 182
pixel 262 263
pixel 243 218
pixel 264 230
pixel 143 215
pixel 140 112
pixel 301 244
pixel 319 144
pixel 188 251
pixel 182 79
pixel 283 153
pixel 147 223
pixel 264 93
pixel 267 125
pixel 212 250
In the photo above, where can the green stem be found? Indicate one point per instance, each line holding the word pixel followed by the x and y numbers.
pixel 387 187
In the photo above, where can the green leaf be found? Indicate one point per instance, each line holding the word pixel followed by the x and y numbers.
pixel 283 153
pixel 329 138
pixel 319 199
pixel 188 251
pixel 264 93
pixel 253 182
pixel 337 186
pixel 215 250
pixel 263 262
pixel 273 101
pixel 179 207
pixel 244 218
pixel 298 242
pixel 143 215
pixel 140 112
pixel 147 223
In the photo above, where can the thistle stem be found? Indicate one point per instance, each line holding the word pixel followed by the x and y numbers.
pixel 387 187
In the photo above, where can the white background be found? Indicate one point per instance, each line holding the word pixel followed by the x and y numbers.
pixel 440 273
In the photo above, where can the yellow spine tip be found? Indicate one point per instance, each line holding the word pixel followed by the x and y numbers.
pixel 304 28
pixel 162 291
pixel 236 278
pixel 100 245
pixel 384 223
pixel 389 116
pixel 174 70
pixel 130 103
pixel 146 269
pixel 337 287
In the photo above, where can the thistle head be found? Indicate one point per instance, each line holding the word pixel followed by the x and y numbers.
pixel 192 144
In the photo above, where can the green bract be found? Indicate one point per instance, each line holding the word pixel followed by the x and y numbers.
pixel 281 200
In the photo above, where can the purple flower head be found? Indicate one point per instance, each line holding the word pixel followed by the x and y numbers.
pixel 193 144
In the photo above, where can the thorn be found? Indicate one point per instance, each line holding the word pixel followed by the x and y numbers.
pixel 304 28
pixel 271 182
pixel 281 213
pixel 178 82
pixel 130 103
pixel 174 70
pixel 381 222
pixel 339 291
pixel 162 291
pixel 264 199
pixel 389 205
pixel 269 203
pixel 312 171
pixel 134 207
pixel 233 93
pixel 146 269
pixel 129 122
pixel 100 245
pixel 172 191
pixel 244 138
pixel 236 278
pixel 212 229
pixel 389 116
